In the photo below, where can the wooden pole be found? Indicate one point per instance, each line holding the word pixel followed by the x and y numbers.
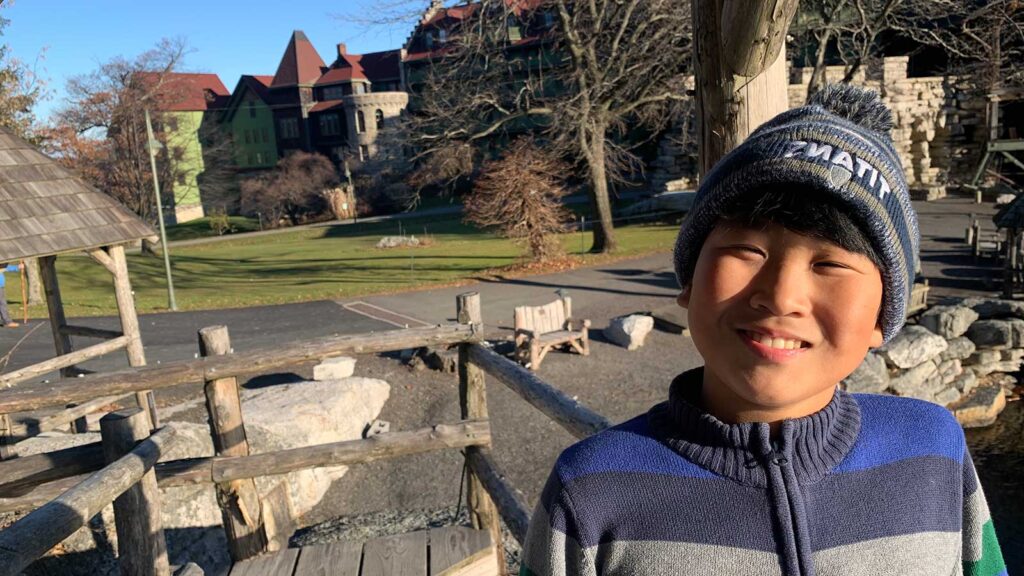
pixel 6 438
pixel 141 547
pixel 62 362
pixel 30 537
pixel 24 295
pixel 739 68
pixel 130 326
pixel 239 501
pixel 483 513
pixel 510 501
pixel 55 306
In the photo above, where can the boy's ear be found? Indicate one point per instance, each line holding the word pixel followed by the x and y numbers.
pixel 684 297
pixel 877 336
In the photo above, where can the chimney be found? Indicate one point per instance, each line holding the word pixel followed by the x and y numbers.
pixel 342 50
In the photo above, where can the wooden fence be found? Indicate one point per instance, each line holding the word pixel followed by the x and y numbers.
pixel 67 487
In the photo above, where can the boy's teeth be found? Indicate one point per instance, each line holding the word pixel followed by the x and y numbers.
pixel 780 343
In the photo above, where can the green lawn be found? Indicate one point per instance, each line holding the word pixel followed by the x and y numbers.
pixel 200 228
pixel 313 264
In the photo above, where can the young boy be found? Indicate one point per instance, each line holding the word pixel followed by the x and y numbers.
pixel 797 257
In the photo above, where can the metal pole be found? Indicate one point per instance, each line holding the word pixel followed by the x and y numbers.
pixel 153 145
pixel 583 243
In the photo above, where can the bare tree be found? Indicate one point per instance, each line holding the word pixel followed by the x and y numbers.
pixel 520 196
pixel 293 190
pixel 101 131
pixel 594 78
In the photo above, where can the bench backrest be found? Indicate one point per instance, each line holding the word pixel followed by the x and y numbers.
pixel 541 319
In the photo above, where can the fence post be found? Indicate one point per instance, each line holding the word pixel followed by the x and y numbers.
pixel 239 501
pixel 6 438
pixel 473 405
pixel 141 548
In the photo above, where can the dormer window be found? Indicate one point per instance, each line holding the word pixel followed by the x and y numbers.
pixel 442 35
pixel 429 39
pixel 549 20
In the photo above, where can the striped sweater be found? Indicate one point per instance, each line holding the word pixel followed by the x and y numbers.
pixel 869 485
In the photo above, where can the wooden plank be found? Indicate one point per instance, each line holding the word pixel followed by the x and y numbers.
pixel 453 548
pixel 577 419
pixel 23 473
pixel 278 564
pixel 62 362
pixel 402 555
pixel 278 516
pixel 141 547
pixel 30 537
pixel 239 501
pixel 260 361
pixel 335 559
pixel 510 502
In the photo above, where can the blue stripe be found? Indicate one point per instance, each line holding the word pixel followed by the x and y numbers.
pixel 894 429
pixel 628 447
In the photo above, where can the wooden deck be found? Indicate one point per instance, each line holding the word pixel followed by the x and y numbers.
pixel 448 551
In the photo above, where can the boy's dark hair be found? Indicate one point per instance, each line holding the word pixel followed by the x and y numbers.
pixel 824 218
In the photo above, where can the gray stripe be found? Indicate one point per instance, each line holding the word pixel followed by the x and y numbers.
pixel 684 558
pixel 976 514
pixel 921 554
pixel 549 552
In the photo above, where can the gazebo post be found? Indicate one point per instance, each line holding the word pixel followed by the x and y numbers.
pixel 130 325
pixel 61 341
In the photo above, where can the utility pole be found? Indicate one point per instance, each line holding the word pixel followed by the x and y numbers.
pixel 153 145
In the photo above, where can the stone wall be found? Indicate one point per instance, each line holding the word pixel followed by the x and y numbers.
pixel 938 129
pixel 962 355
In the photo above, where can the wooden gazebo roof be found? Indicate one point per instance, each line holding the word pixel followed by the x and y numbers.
pixel 46 210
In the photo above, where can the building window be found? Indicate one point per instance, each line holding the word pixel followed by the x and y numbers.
pixel 430 40
pixel 364 153
pixel 549 20
pixel 333 93
pixel 289 128
pixel 379 116
pixel 259 157
pixel 360 122
pixel 252 109
pixel 442 36
pixel 263 133
pixel 247 140
pixel 329 125
pixel 359 88
pixel 172 123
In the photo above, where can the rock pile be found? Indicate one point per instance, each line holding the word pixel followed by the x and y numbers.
pixel 959 356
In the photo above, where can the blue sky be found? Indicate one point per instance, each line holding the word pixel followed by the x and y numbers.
pixel 227 37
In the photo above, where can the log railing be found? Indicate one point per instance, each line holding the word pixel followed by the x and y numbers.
pixel 51 481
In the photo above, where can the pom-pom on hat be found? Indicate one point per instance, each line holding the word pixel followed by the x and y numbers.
pixel 839 145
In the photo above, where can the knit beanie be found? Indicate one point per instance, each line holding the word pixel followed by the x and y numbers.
pixel 836 145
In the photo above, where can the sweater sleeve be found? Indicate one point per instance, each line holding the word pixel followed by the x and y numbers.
pixel 981 553
pixel 551 547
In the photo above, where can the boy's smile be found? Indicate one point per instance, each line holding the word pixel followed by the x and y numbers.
pixel 779 318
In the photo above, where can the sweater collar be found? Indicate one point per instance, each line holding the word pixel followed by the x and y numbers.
pixel 814 444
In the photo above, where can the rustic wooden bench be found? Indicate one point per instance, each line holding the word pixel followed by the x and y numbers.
pixel 918 297
pixel 447 551
pixel 538 329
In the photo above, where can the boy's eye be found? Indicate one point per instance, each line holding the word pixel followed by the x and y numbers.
pixel 832 264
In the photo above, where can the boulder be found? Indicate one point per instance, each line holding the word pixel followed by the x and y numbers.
pixel 912 346
pixel 959 348
pixel 1012 354
pixel 966 382
pixel 948 321
pixel 334 368
pixel 1001 366
pixel 988 308
pixel 397 241
pixel 871 376
pixel 979 408
pixel 920 382
pixel 983 357
pixel 949 370
pixel 629 331
pixel 947 396
pixel 996 334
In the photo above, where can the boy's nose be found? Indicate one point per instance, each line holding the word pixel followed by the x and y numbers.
pixel 780 290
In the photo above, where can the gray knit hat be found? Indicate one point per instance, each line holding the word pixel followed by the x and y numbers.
pixel 838 145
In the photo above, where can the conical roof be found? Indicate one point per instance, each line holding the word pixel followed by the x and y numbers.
pixel 46 210
pixel 301 63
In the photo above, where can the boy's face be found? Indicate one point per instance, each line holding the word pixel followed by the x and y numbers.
pixel 779 319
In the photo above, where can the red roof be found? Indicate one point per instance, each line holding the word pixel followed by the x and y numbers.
pixel 301 64
pixel 186 92
pixel 326 105
pixel 375 66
